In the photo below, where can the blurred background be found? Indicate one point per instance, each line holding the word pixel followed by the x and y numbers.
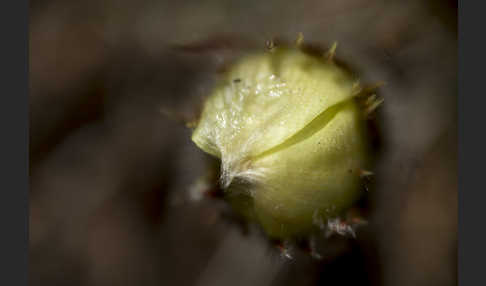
pixel 111 176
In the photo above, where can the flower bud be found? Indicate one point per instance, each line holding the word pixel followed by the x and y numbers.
pixel 290 136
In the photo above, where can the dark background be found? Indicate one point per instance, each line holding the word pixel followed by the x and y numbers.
pixel 110 175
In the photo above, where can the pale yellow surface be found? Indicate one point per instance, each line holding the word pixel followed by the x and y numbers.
pixel 286 124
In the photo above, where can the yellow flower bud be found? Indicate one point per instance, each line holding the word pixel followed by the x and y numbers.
pixel 290 136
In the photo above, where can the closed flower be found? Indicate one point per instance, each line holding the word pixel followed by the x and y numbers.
pixel 291 138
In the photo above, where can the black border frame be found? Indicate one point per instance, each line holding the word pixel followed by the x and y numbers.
pixel 471 153
pixel 14 126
